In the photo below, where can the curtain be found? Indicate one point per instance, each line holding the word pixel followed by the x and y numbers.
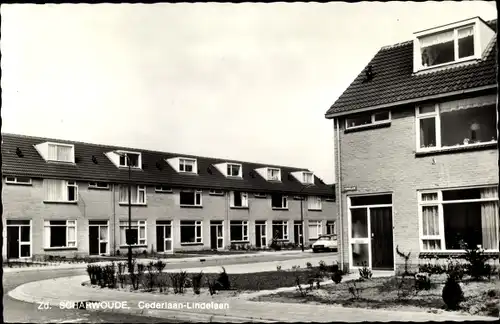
pixel 103 233
pixel 430 220
pixel 123 194
pixel 54 190
pixel 46 236
pixel 436 39
pixel 244 200
pixel 468 103
pixel 465 32
pixel 64 153
pixel 489 219
pixel 52 152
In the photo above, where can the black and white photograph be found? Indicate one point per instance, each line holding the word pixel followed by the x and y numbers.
pixel 250 162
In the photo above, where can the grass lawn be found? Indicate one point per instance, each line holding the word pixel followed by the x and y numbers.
pixel 481 298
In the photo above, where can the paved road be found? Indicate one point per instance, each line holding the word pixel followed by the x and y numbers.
pixel 17 311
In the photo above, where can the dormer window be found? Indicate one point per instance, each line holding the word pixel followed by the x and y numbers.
pixel 61 153
pixel 187 165
pixel 273 174
pixel 234 170
pixel 129 158
pixel 307 177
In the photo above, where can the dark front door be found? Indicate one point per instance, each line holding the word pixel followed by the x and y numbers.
pixel 213 237
pixel 12 242
pixel 258 236
pixel 381 238
pixel 94 240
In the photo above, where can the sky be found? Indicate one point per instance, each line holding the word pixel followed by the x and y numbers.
pixel 248 82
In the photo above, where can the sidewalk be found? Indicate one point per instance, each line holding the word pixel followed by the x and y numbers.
pixel 300 254
pixel 55 291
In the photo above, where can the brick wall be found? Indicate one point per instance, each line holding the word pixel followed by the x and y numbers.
pixel 383 160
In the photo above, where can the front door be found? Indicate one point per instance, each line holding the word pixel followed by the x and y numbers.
pixel 12 242
pixel 164 236
pixel 260 234
pixel 94 240
pixel 216 235
pixel 297 232
pixel 98 237
pixel 381 238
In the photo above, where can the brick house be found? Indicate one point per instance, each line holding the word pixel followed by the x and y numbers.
pixel 416 149
pixel 70 198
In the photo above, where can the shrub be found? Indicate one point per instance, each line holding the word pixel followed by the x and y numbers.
pixel 161 282
pixel 477 267
pixel 365 273
pixel 337 276
pixel 302 291
pixel 354 290
pixel 455 269
pixel 422 281
pixel 309 265
pixel 211 287
pixel 322 266
pixel 92 272
pixel 110 275
pixel 121 270
pixel 151 275
pixel 223 283
pixel 196 280
pixel 178 281
pixel 295 267
pixel 278 268
pixel 141 268
pixel 134 277
pixel 275 245
pixel 452 293
pixel 432 269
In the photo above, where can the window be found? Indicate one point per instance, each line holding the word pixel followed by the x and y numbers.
pixel 190 198
pixel 127 158
pixel 239 199
pixel 279 201
pixel 314 203
pixel 330 227
pixel 140 236
pixel 361 120
pixel 18 239
pixel 260 195
pixel 18 180
pixel 216 192
pixel 234 170
pixel 449 46
pixel 60 234
pixel 61 152
pixel 98 185
pixel 191 232
pixel 60 190
pixel 273 174
pixel 187 165
pixel 456 123
pixel 239 231
pixel 314 228
pixel 280 230
pixel 138 196
pixel 449 218
pixel 163 188
pixel 307 177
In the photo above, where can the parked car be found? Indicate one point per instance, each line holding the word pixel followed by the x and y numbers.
pixel 326 242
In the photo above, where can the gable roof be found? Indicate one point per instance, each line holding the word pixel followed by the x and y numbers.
pixel 33 165
pixel 394 82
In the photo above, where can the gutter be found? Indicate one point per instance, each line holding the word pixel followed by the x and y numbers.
pixel 339 196
pixel 403 102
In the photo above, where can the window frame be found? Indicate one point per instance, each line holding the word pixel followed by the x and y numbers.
pixel 182 165
pixel 138 188
pixel 270 171
pixel 21 223
pixel 260 195
pixel 244 225
pixel 439 202
pixel 318 201
pixel 284 202
pixel 284 226
pixel 372 118
pixel 304 177
pixel 66 185
pixel 319 227
pixel 244 199
pixel 16 181
pixel 230 167
pixel 163 189
pixel 194 192
pixel 437 122
pixel 46 224
pixel 139 159
pixel 123 224
pixel 196 224
pixel 216 192
pixel 72 146
pixel 95 185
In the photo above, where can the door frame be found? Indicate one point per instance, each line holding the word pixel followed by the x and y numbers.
pixel 300 225
pixel 107 252
pixel 262 233
pixel 216 225
pixel 163 225
pixel 368 239
pixel 30 225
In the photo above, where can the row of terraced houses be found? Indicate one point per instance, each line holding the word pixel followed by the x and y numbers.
pixel 70 198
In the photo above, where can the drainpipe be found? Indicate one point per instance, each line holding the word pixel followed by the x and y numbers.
pixel 114 222
pixel 339 196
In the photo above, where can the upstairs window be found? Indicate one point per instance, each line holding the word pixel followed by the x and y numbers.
pixel 18 180
pixel 60 190
pixel 362 120
pixel 448 46
pixel 99 185
pixel 273 174
pixel 314 203
pixel 128 158
pixel 187 165
pixel 138 196
pixel 216 192
pixel 233 170
pixel 163 188
pixel 307 177
pixel 279 201
pixel 190 198
pixel 456 123
pixel 239 199
pixel 61 152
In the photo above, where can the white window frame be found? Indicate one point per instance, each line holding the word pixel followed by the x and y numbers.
pixel 437 120
pixel 139 189
pixel 216 192
pixel 284 203
pixel 185 161
pixel 69 223
pixel 455 45
pixel 373 121
pixel 15 181
pixel 317 200
pixel 163 189
pixel 284 225
pixel 319 227
pixel 198 238
pixel 21 243
pixel 244 225
pixel 195 193
pixel 49 144
pixel 229 170
pixel 439 203
pixel 332 225
pixel 135 223
pixel 244 199
pixel 304 174
pixel 260 195
pixel 66 184
pixel 164 225
pixel 139 159
pixel 95 185
pixel 270 173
